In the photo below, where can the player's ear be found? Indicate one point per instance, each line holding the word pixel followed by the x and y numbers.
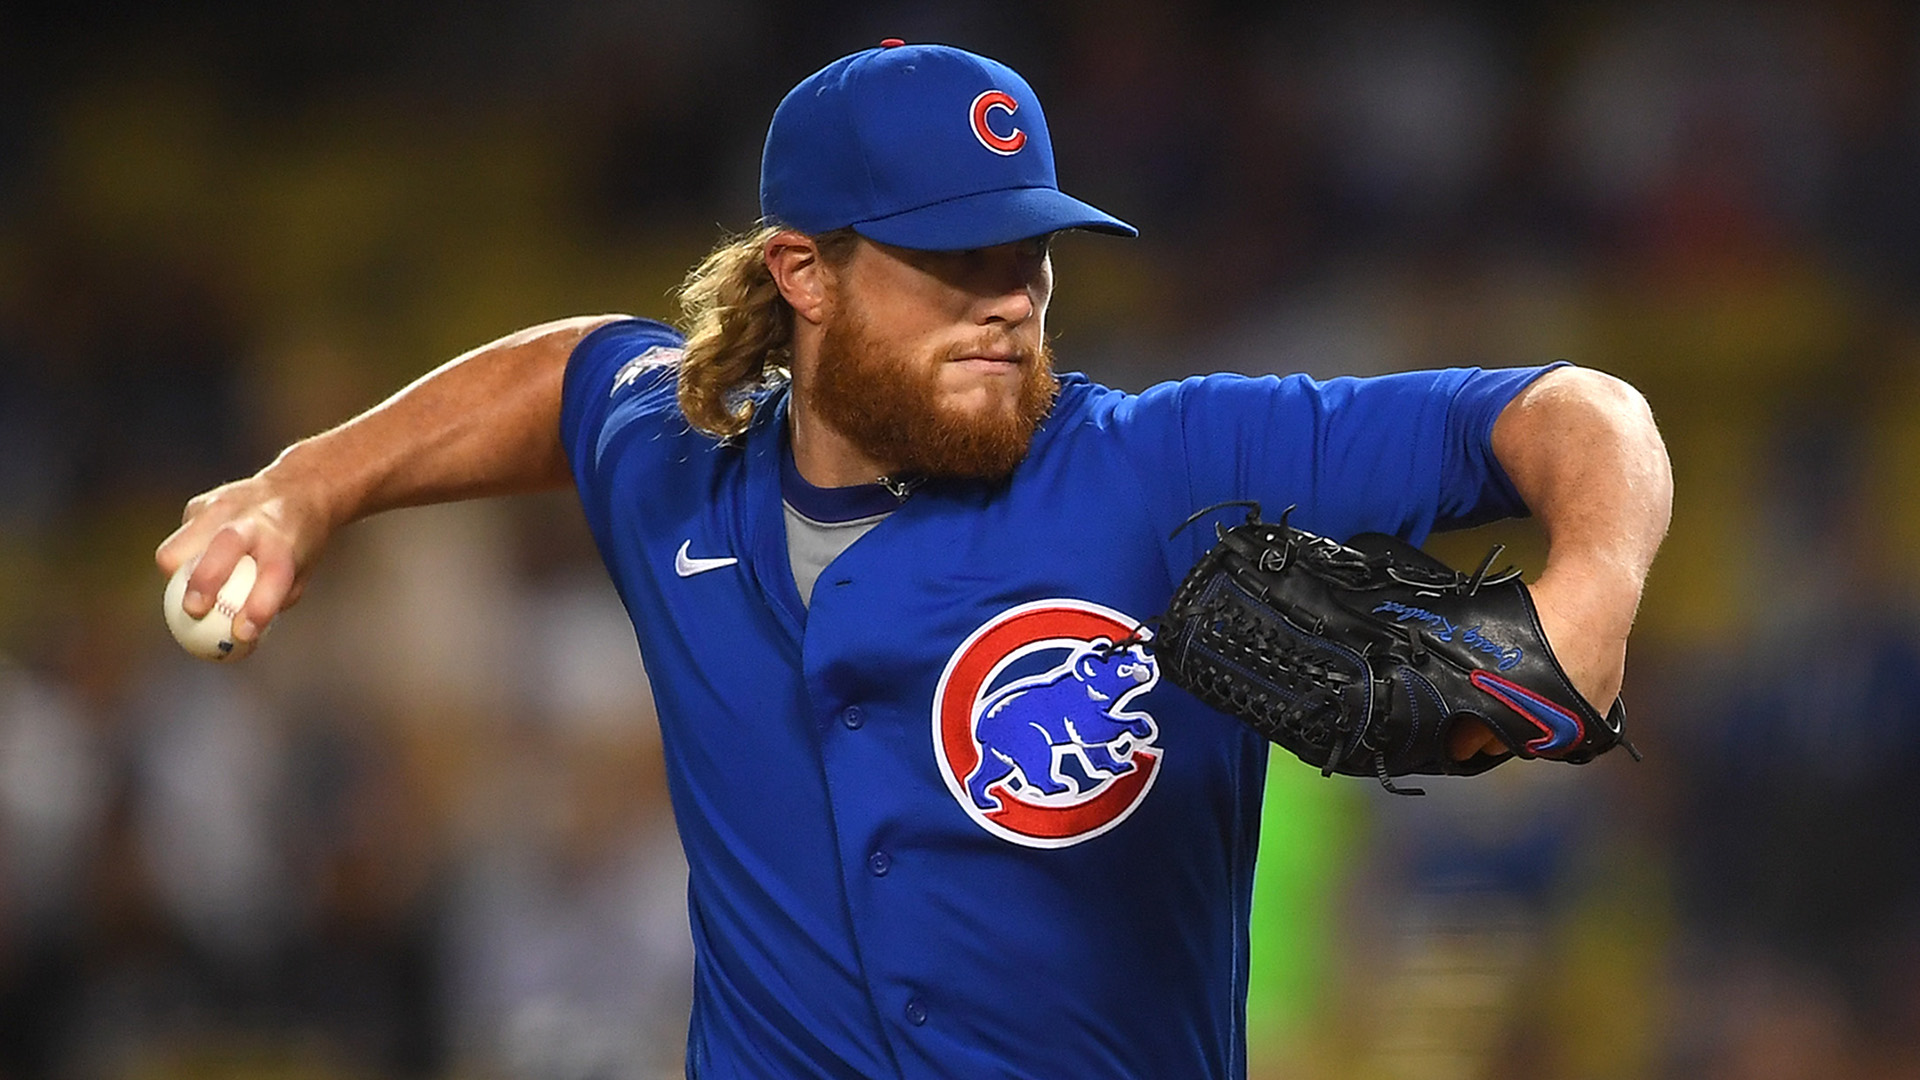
pixel 804 279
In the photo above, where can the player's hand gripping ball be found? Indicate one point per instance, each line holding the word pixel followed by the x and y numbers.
pixel 211 637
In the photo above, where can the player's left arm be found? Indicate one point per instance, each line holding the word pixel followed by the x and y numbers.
pixel 1582 451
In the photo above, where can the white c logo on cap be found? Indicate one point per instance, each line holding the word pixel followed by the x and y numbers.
pixel 1007 145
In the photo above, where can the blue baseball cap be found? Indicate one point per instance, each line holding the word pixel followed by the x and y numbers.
pixel 919 146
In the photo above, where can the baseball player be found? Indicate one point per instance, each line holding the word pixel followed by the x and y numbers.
pixel 943 820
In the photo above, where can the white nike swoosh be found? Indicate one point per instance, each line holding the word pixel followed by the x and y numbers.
pixel 687 566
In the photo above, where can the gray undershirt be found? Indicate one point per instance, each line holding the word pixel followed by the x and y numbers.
pixel 811 545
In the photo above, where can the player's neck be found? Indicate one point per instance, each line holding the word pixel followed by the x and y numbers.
pixel 827 458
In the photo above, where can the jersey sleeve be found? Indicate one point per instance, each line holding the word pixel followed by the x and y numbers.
pixel 1406 453
pixel 618 375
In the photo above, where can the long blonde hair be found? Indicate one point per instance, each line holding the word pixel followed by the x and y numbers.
pixel 739 329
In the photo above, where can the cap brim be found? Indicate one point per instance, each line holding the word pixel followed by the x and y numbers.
pixel 990 218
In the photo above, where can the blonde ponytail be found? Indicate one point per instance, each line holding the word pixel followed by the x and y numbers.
pixel 739 329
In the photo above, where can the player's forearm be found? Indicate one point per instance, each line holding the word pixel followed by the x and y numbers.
pixel 1583 452
pixel 484 423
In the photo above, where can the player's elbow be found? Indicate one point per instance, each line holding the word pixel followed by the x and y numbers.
pixel 1587 402
pixel 1575 428
pixel 1596 393
pixel 1625 412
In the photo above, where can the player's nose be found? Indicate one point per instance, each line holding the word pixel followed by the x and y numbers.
pixel 1013 306
pixel 1014 285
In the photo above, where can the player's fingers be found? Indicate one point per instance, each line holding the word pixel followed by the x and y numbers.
pixel 216 564
pixel 184 544
pixel 1469 737
pixel 172 552
pixel 204 513
pixel 272 587
pixel 197 505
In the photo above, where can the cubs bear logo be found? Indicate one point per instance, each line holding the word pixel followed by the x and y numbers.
pixel 1032 725
pixel 1004 145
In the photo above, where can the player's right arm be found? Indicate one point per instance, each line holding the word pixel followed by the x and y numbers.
pixel 485 423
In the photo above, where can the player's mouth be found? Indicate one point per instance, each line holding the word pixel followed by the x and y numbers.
pixel 989 364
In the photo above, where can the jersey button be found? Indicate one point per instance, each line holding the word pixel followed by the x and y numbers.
pixel 879 863
pixel 853 717
pixel 916 1012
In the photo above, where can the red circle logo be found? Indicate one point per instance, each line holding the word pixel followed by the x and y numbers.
pixel 1003 145
pixel 1056 756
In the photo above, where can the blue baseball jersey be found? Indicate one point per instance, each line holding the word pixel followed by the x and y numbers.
pixel 936 826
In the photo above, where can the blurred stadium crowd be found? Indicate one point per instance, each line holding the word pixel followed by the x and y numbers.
pixel 423 832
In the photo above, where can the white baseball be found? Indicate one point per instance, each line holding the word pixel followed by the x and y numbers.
pixel 210 638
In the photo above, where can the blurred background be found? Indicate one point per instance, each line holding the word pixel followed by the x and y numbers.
pixel 422 833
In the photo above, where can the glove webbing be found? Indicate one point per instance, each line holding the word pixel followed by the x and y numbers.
pixel 1234 652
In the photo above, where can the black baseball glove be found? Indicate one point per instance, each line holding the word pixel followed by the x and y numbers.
pixel 1360 657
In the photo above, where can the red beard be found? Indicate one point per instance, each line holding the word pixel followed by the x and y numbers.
pixel 889 406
